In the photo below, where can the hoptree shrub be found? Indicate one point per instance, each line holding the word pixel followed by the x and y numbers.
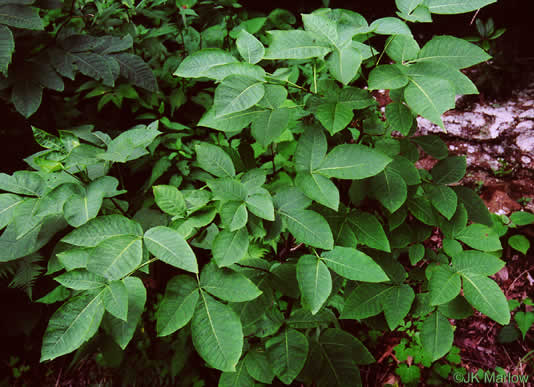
pixel 293 207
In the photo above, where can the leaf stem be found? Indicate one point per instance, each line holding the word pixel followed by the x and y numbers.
pixel 141 265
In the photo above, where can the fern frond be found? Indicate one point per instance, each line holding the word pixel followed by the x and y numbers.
pixel 27 271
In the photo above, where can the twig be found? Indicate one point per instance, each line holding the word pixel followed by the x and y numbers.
pixel 252 267
pixel 119 207
pixel 516 278
pixel 59 377
pixel 474 16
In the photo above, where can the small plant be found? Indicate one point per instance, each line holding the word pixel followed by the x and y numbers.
pixel 504 168
pixel 524 200
pixel 486 35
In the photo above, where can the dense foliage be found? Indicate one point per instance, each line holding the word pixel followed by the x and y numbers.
pixel 291 206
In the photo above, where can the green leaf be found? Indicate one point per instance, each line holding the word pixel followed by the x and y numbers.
pixel 452 51
pixel 448 7
pixel 352 161
pixel 237 93
pixel 461 83
pixel 387 77
pixel 290 198
pixel 81 280
pixel 26 95
pixel 138 73
pixel 369 231
pixel 238 378
pixel 296 44
pixel 227 285
pixel 79 209
pixel 416 253
pixel 457 309
pixel 249 47
pixel 215 160
pixel 364 301
pixel 334 116
pixel 340 352
pixel 70 325
pixel 315 282
pixel 123 331
pixel 480 237
pixel 229 123
pixel 170 246
pixel 334 340
pixel 8 203
pixel 522 218
pixel 228 189
pixel 130 145
pixel 397 303
pixel 202 62
pixel 475 262
pixel 486 296
pixel 101 228
pixel 524 321
pixel 240 218
pixel 437 335
pixel 94 65
pixel 449 170
pixel 269 125
pixel 452 247
pixel 169 199
pixel 261 205
pixel 23 182
pixel 178 304
pixel 59 293
pixel 274 96
pixel 19 16
pixel 477 210
pixel 433 145
pixel 230 247
pixel 422 210
pixel 390 26
pixel 354 265
pixel 115 299
pixel 322 26
pixel 258 366
pixel 390 189
pixel 519 243
pixel 344 63
pixel 430 97
pixel 217 333
pixel 407 6
pixel 319 188
pixel 402 48
pixel 311 149
pixel 7 47
pixel 303 318
pixel 117 256
pixel 310 228
pixel 444 200
pixel 444 285
pixel 242 69
pixel 287 352
pixel 399 117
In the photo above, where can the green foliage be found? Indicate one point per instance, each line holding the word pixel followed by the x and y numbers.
pixel 287 205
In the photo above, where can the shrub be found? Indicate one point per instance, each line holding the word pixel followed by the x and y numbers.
pixel 274 237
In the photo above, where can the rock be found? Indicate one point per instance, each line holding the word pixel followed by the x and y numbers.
pixel 501 204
